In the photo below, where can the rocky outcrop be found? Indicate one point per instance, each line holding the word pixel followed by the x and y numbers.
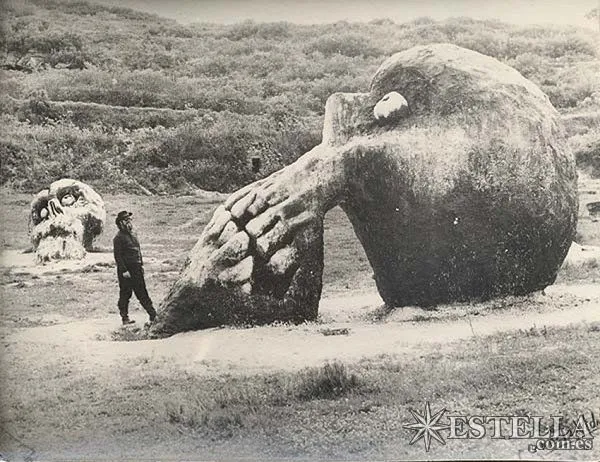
pixel 455 176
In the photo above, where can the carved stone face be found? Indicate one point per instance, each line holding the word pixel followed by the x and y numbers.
pixel 66 219
pixel 453 171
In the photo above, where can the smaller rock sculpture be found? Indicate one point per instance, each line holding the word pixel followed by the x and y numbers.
pixel 65 218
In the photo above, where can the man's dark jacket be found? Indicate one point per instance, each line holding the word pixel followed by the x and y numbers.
pixel 128 254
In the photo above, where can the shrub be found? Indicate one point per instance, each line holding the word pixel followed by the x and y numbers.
pixel 351 45
pixel 210 153
pixel 422 21
pixel 529 64
pixel 37 109
pixel 85 8
pixel 327 382
pixel 249 29
pixel 382 22
pixel 26 41
pixel 33 156
pixel 487 43
pixel 573 85
pixel 85 115
pixel 588 158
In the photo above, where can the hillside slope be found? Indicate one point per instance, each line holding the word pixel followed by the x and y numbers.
pixel 75 75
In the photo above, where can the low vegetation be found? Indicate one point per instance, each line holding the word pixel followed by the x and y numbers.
pixel 234 401
pixel 588 156
pixel 587 271
pixel 519 374
pixel 160 408
pixel 147 101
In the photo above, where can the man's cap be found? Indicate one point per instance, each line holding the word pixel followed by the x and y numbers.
pixel 122 215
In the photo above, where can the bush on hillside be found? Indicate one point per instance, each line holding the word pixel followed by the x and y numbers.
pixel 573 85
pixel 250 29
pixel 211 152
pixel 141 99
pixel 351 45
pixel 84 8
pixel 588 158
pixel 33 155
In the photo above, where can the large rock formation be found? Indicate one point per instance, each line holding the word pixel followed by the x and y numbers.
pixel 66 219
pixel 455 176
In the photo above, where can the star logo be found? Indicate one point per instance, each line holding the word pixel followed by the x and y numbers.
pixel 427 426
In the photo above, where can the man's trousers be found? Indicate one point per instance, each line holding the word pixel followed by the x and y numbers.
pixel 134 284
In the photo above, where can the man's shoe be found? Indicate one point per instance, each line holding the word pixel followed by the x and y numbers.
pixel 151 321
pixel 127 321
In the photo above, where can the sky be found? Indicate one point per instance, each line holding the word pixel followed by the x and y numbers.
pixel 327 11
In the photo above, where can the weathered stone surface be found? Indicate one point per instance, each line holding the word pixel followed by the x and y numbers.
pixel 238 274
pixel 455 176
pixel 283 260
pixel 228 232
pixel 65 219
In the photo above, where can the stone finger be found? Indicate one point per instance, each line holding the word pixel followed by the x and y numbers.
pixel 218 221
pixel 239 273
pixel 292 207
pixel 300 220
pixel 258 206
pixel 239 194
pixel 275 194
pixel 283 260
pixel 257 226
pixel 276 237
pixel 266 244
pixel 239 208
pixel 235 250
pixel 228 232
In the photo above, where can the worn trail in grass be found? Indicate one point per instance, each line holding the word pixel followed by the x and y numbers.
pixel 350 329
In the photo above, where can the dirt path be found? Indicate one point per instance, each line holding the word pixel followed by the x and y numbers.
pixel 352 326
pixel 362 332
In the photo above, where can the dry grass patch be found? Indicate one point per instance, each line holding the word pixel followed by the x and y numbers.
pixel 586 271
pixel 234 402
pixel 338 410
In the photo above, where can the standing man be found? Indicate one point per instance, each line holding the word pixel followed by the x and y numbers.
pixel 130 268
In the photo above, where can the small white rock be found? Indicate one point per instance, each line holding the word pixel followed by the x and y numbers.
pixel 391 105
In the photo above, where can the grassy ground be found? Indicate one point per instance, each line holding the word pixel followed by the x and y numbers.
pixel 54 407
pixel 168 228
pixel 148 408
